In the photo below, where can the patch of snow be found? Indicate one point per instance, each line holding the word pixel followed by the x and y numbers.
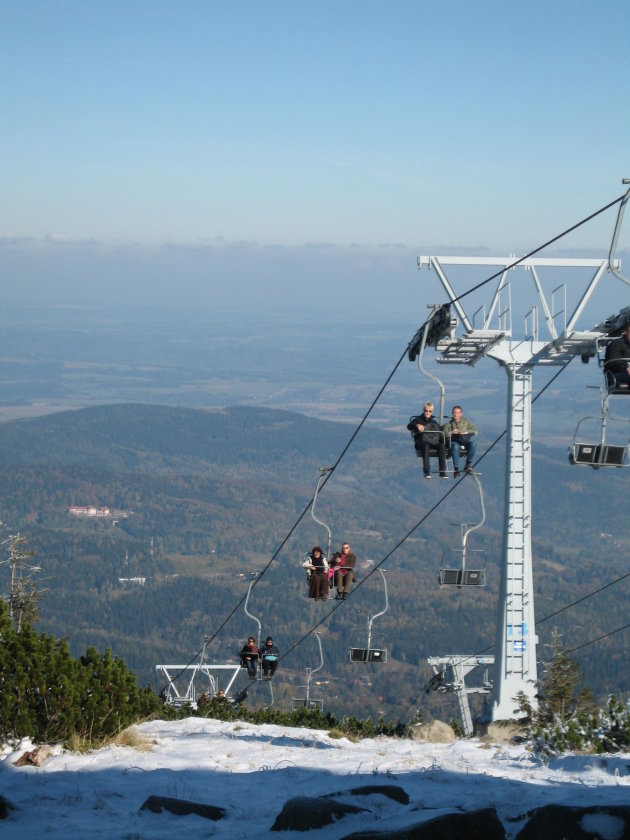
pixel 251 771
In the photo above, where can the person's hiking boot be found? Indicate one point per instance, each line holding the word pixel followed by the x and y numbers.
pixel 456 474
pixel 468 468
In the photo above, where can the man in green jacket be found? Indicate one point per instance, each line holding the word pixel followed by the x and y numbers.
pixel 461 433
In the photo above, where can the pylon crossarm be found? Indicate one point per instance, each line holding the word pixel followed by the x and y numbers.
pixel 477 343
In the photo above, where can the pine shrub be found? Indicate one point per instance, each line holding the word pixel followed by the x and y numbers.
pixel 47 695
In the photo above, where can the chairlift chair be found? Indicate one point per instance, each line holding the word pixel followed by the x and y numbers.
pixel 437 327
pixel 600 453
pixel 324 471
pixel 438 321
pixel 307 701
pixel 613 385
pixel 433 436
pixel 612 262
pixel 614 265
pixel 370 654
pixel 455 571
pixel 259 673
pixel 469 566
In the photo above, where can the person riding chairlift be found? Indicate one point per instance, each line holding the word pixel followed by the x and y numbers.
pixel 269 657
pixel 317 567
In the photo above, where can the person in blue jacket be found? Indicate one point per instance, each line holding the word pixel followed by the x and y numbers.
pixel 269 656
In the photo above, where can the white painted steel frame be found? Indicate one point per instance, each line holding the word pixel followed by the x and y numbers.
pixel 461 666
pixel 515 659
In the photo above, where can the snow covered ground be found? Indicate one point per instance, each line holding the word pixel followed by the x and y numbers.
pixel 251 771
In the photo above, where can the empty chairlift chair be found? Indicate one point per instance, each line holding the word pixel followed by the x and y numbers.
pixel 308 701
pixel 370 654
pixel 466 567
pixel 587 452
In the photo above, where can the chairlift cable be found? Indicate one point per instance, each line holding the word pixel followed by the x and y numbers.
pixel 599 638
pixel 540 248
pixel 579 600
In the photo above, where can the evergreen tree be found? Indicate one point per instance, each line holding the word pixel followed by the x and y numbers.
pixel 47 695
pixel 559 695
pixel 24 595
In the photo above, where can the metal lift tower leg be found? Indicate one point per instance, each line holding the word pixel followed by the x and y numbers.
pixel 515 658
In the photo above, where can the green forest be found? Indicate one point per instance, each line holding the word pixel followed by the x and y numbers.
pixel 201 499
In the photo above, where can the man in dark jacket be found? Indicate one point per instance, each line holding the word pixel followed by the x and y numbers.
pixel 427 434
pixel 249 657
pixel 269 655
pixel 618 360
pixel 343 563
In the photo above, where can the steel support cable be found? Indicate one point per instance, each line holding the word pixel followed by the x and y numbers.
pixel 211 638
pixel 372 571
pixel 540 248
pixel 400 542
pixel 599 638
pixel 586 597
pixel 586 644
pixel 388 380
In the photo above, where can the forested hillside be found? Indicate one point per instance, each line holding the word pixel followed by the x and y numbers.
pixel 210 497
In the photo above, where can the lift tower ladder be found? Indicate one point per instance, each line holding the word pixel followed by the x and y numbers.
pixel 515 659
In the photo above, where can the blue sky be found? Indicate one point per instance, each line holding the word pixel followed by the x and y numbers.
pixel 372 130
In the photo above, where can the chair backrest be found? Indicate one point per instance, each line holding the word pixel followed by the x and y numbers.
pixel 593 455
pixel 374 655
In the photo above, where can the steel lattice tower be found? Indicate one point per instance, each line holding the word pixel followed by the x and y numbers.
pixel 515 653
